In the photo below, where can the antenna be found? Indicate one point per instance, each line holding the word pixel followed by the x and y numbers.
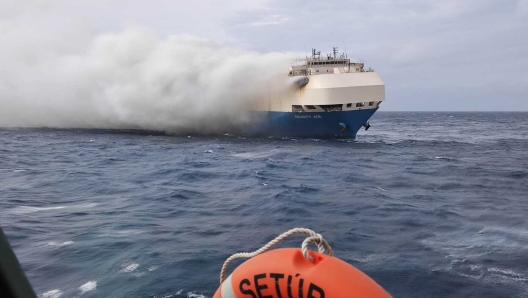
pixel 335 52
pixel 316 53
pixel 305 51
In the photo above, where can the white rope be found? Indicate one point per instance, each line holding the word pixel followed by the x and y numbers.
pixel 322 246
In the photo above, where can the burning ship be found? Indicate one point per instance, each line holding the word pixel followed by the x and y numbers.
pixel 333 97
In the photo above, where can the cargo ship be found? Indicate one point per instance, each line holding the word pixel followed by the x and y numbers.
pixel 332 97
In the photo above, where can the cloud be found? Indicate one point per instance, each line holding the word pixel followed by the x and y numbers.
pixel 269 20
pixel 470 50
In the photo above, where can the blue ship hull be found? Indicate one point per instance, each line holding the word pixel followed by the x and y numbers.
pixel 310 124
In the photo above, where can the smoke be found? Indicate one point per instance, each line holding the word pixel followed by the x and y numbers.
pixel 134 79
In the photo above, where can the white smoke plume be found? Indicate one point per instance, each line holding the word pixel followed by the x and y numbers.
pixel 134 79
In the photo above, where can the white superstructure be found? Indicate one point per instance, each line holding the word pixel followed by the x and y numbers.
pixel 329 83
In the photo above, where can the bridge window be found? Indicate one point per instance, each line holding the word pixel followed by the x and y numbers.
pixel 349 105
pixel 360 104
pixel 371 103
pixel 311 107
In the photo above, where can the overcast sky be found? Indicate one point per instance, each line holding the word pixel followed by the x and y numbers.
pixel 432 55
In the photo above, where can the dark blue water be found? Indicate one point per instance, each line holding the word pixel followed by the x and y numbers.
pixel 427 204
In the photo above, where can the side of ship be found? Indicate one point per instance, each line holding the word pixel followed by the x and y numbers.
pixel 332 97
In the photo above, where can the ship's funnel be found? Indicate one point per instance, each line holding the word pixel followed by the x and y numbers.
pixel 303 81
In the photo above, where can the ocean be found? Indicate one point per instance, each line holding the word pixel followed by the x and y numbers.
pixel 427 204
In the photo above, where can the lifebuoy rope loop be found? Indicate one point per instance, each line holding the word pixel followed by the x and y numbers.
pixel 320 242
pixel 322 246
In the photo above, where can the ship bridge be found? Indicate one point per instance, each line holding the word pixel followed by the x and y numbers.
pixel 330 64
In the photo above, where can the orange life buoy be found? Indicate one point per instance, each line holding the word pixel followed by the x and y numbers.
pixel 286 273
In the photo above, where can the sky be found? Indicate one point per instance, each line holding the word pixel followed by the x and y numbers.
pixel 444 55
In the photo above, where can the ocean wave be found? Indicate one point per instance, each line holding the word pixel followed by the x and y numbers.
pixel 376 259
pixel 31 209
pixel 128 267
pixel 258 155
pixel 445 158
pixel 195 295
pixel 52 294
pixel 59 244
pixel 88 287
pixel 122 233
pixel 508 273
pixel 507 231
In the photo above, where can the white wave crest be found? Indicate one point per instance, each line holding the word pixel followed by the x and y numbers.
pixel 128 267
pixel 87 287
pixel 508 274
pixel 52 294
pixel 65 243
pixel 31 209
